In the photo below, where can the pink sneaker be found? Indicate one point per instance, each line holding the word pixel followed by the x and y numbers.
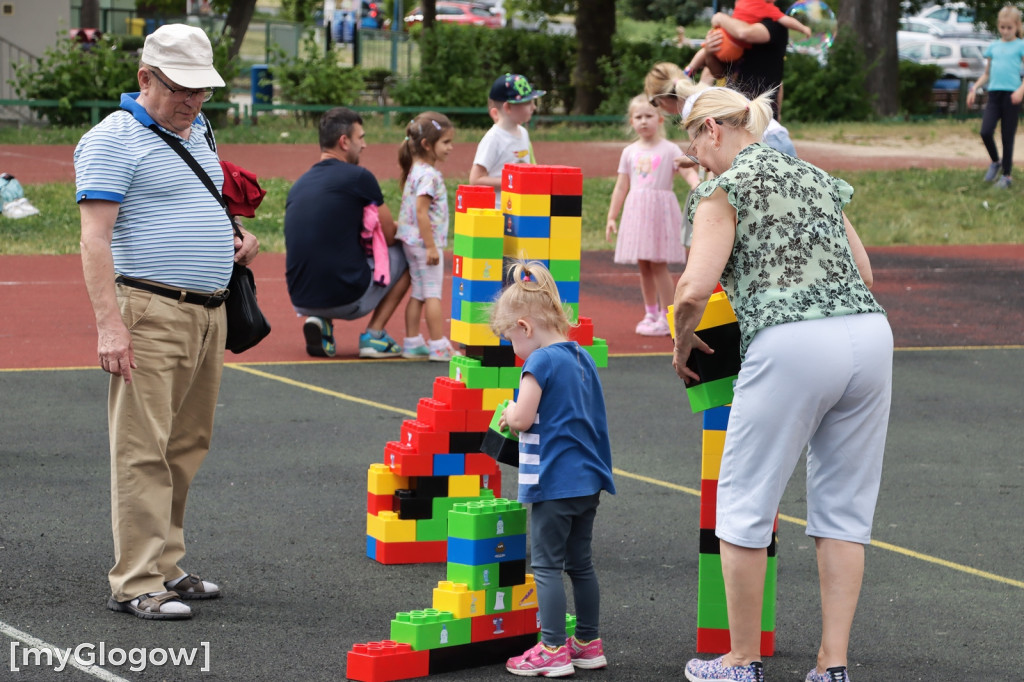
pixel 589 656
pixel 539 662
pixel 645 324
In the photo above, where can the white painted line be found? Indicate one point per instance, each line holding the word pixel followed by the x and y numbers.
pixel 94 670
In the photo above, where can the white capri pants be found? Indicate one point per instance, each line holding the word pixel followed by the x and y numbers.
pixel 825 384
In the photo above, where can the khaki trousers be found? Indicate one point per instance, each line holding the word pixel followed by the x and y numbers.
pixel 160 430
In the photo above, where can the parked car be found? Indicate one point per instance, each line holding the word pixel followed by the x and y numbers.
pixel 465 13
pixel 959 57
pixel 912 27
pixel 950 17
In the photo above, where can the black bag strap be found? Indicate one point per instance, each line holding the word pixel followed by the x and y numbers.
pixel 180 150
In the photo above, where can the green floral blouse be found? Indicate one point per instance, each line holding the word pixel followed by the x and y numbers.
pixel 791 259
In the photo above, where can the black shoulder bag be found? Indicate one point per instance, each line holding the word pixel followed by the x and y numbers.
pixel 246 324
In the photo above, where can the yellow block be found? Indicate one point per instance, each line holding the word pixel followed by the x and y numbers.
pixel 529 248
pixel 387 527
pixel 494 396
pixel 711 454
pixel 525 596
pixel 526 204
pixel 485 269
pixel 566 227
pixel 381 481
pixel 459 599
pixel 480 222
pixel 563 249
pixel 464 485
pixel 473 334
pixel 717 312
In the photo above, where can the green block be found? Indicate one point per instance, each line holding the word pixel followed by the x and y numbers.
pixel 508 377
pixel 471 372
pixel 475 312
pixel 430 629
pixel 497 600
pixel 435 528
pixel 478 247
pixel 565 270
pixel 771 578
pixel 711 610
pixel 476 577
pixel 599 351
pixel 486 519
pixel 710 394
pixel 573 310
pixel 440 506
pixel 570 626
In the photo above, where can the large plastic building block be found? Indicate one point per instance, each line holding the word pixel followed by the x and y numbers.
pixel 462 551
pixel 497 599
pixel 708 503
pixel 717 312
pixel 566 205
pixel 431 530
pixel 385 661
pixel 474 576
pixel 381 480
pixel 406 461
pixel 524 596
pixel 497 625
pixel 483 519
pixel 465 441
pixel 387 527
pixel 479 222
pixel 528 226
pixel 407 552
pixel 598 351
pixel 526 204
pixel 716 418
pixel 457 395
pixel 457 598
pixel 716 641
pixel 471 371
pixel 452 464
pixel 476 654
pixel 470 246
pixel 471 333
pixel 430 629
pixel 524 248
pixel 567 227
pixel 712 447
pixel 463 486
pixel 567 270
pixel 485 269
pixel 583 332
pixel 501 444
pixel 440 416
pixel 494 396
pixel 479 463
pixel 566 180
pixel 525 179
pixel 473 196
pixel 426 440
pixel 704 396
pixel 375 504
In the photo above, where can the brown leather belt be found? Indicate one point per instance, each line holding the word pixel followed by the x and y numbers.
pixel 206 300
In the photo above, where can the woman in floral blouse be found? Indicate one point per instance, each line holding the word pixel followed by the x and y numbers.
pixel 816 370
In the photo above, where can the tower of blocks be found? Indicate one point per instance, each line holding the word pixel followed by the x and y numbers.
pixel 485 611
pixel 713 395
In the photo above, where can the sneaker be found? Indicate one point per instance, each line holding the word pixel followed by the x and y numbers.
pixel 440 354
pixel 419 352
pixel 370 347
pixel 713 671
pixel 993 171
pixel 319 333
pixel 539 662
pixel 589 656
pixel 645 323
pixel 1004 182
pixel 836 674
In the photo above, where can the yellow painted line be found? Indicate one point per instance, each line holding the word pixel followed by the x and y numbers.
pixel 321 390
pixel 874 543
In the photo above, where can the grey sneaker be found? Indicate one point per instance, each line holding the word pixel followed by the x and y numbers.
pixel 1004 182
pixel 993 171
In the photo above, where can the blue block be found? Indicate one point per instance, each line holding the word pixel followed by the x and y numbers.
pixel 476 552
pixel 371 547
pixel 476 290
pixel 569 291
pixel 716 418
pixel 528 226
pixel 450 464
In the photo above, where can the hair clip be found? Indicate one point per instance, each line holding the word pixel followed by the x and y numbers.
pixel 436 124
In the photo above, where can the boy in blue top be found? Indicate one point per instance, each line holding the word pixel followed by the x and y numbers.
pixel 565 462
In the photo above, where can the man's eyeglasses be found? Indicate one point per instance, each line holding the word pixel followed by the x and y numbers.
pixel 204 95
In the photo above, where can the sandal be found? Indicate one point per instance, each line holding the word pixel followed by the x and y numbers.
pixel 151 606
pixel 194 587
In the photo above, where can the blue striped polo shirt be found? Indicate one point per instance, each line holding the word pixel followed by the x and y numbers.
pixel 169 228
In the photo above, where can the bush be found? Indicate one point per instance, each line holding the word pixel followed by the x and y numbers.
pixel 916 83
pixel 314 80
pixel 69 72
pixel 834 92
pixel 624 72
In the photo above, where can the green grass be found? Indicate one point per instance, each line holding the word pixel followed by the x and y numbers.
pixel 920 207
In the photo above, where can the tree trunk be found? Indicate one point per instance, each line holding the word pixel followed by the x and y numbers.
pixel 429 13
pixel 595 26
pixel 237 22
pixel 874 23
pixel 89 14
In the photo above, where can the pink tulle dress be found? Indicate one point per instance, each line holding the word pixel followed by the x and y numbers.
pixel 651 221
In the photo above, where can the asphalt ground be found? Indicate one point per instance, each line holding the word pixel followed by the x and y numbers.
pixel 277 518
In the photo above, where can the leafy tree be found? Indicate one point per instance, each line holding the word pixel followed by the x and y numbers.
pixel 239 14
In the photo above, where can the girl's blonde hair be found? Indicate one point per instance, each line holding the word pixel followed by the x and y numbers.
pixel 662 80
pixel 1011 13
pixel 530 291
pixel 421 135
pixel 642 101
pixel 728 107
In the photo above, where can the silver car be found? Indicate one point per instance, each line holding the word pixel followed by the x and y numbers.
pixel 957 56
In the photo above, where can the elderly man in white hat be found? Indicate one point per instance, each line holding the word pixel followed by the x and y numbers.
pixel 157 253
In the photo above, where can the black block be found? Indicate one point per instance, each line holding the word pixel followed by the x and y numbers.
pixel 709 543
pixel 475 654
pixel 562 205
pixel 511 573
pixel 505 450
pixel 499 356
pixel 411 507
pixel 429 487
pixel 725 361
pixel 465 441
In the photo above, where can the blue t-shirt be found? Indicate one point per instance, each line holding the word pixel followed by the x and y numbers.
pixel 1004 69
pixel 566 453
pixel 325 264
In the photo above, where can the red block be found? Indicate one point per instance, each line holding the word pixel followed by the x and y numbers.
pixel 405 460
pixel 440 416
pixel 497 626
pixel 473 196
pixel 425 439
pixel 716 641
pixel 456 266
pixel 479 464
pixel 708 502
pixel 478 420
pixel 524 178
pixel 530 622
pixel 566 180
pixel 384 661
pixel 456 394
pixel 428 552
pixel 375 504
pixel 583 333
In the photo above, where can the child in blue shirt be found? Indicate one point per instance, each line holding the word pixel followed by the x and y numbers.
pixel 1005 92
pixel 565 462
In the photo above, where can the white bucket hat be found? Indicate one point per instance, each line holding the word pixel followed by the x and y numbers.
pixel 184 54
